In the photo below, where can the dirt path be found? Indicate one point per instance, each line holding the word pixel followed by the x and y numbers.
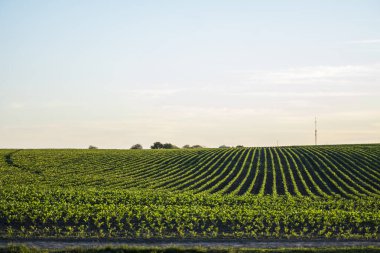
pixel 61 244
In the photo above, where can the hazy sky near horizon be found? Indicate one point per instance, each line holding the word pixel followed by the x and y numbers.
pixel 116 73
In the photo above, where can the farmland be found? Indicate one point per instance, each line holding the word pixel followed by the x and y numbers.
pixel 255 193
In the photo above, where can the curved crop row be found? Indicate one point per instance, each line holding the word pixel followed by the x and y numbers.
pixel 349 171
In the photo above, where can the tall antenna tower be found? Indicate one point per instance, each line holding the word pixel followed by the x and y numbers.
pixel 316 131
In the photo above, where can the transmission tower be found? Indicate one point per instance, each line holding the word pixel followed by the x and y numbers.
pixel 315 132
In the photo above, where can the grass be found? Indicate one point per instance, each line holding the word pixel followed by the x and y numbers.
pixel 23 249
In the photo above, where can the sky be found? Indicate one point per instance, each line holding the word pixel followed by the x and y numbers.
pixel 208 72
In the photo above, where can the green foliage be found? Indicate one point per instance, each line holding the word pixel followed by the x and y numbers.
pixel 45 212
pixel 255 193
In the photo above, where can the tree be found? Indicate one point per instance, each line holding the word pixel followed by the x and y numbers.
pixel 137 146
pixel 157 145
pixel 239 146
pixel 224 146
pixel 194 146
pixel 92 147
pixel 169 146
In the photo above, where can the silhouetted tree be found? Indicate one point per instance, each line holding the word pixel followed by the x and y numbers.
pixel 92 147
pixel 169 146
pixel 137 146
pixel 194 146
pixel 157 145
pixel 239 146
pixel 224 146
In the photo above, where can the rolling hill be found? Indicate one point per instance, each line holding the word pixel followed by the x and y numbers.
pixel 341 170
pixel 305 192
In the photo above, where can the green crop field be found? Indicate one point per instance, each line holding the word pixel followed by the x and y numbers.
pixel 260 193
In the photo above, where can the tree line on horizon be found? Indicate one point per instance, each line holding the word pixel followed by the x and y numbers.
pixel 159 145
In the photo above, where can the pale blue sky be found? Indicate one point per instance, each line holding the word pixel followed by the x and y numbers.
pixel 116 73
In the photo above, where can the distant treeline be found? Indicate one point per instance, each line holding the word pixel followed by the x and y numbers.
pixel 159 145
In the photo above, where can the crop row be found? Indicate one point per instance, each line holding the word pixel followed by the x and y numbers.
pixel 31 212
pixel 348 171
